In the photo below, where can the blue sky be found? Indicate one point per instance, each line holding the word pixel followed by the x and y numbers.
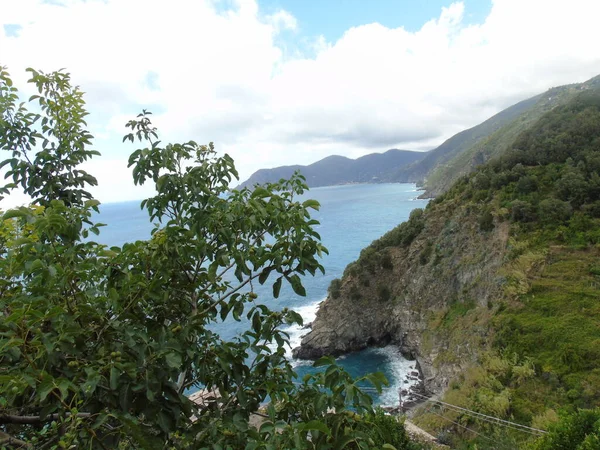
pixel 276 82
pixel 332 18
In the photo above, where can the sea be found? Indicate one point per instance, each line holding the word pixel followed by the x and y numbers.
pixel 351 217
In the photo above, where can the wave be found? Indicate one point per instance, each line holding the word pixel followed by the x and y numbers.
pixel 398 368
pixel 400 377
pixel 297 332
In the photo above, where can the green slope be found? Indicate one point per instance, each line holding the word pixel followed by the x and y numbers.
pixel 481 146
pixel 520 340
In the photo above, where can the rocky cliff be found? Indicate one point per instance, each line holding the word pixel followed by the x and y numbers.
pixel 401 294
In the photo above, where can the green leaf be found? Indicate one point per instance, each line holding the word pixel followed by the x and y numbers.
pixel 46 386
pixel 260 192
pixel 173 360
pixel 297 285
pixel 277 287
pixel 313 425
pixel 240 422
pixel 264 275
pixel 310 203
pixel 324 361
pixel 63 387
pixel 114 377
pixel 138 434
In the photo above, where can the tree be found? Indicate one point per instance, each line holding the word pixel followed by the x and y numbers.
pixel 98 346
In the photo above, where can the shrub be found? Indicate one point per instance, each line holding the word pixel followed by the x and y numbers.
pixel 386 260
pixel 486 221
pixel 577 431
pixel 383 292
pixel 389 429
pixel 526 184
pixel 355 293
pixel 553 211
pixel 426 253
pixel 334 288
pixel 522 211
pixel 351 270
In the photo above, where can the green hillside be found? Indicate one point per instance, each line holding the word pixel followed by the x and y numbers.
pixel 494 288
pixel 464 152
pixel 547 320
pixel 459 143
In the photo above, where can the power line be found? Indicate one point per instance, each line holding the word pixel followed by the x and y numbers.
pixel 462 426
pixel 485 417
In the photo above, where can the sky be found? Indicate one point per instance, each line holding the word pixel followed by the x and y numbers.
pixel 275 82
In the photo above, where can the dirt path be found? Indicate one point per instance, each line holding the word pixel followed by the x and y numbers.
pixel 419 434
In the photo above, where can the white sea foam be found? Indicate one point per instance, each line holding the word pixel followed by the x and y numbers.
pixel 400 369
pixel 297 332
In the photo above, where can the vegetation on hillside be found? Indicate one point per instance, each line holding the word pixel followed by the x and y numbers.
pixel 99 346
pixel 494 136
pixel 541 354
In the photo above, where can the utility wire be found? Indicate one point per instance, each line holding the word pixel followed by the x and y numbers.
pixel 485 417
pixel 460 425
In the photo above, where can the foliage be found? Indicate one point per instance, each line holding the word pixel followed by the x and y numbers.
pixel 383 292
pixel 541 327
pixel 389 429
pixel 404 233
pixel 576 431
pixel 334 288
pixel 99 346
pixel 486 221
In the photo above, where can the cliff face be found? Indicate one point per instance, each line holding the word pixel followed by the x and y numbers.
pixel 413 295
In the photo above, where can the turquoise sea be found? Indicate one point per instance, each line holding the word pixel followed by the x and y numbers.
pixel 351 217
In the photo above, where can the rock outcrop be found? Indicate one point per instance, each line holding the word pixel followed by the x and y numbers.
pixel 429 296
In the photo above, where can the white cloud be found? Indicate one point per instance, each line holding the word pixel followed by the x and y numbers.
pixel 222 75
pixel 283 20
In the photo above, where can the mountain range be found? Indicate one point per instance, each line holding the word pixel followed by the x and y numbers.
pixel 334 170
pixel 436 169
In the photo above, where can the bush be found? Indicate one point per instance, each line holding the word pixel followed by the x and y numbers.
pixel 351 270
pixel 386 260
pixel 389 429
pixel 577 431
pixel 522 211
pixel 526 184
pixel 355 293
pixel 553 211
pixel 573 187
pixel 403 234
pixel 426 253
pixel 486 221
pixel 383 292
pixel 334 288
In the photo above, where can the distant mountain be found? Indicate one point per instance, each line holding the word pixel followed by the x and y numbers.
pixel 418 172
pixel 439 168
pixel 335 170
pixel 463 152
